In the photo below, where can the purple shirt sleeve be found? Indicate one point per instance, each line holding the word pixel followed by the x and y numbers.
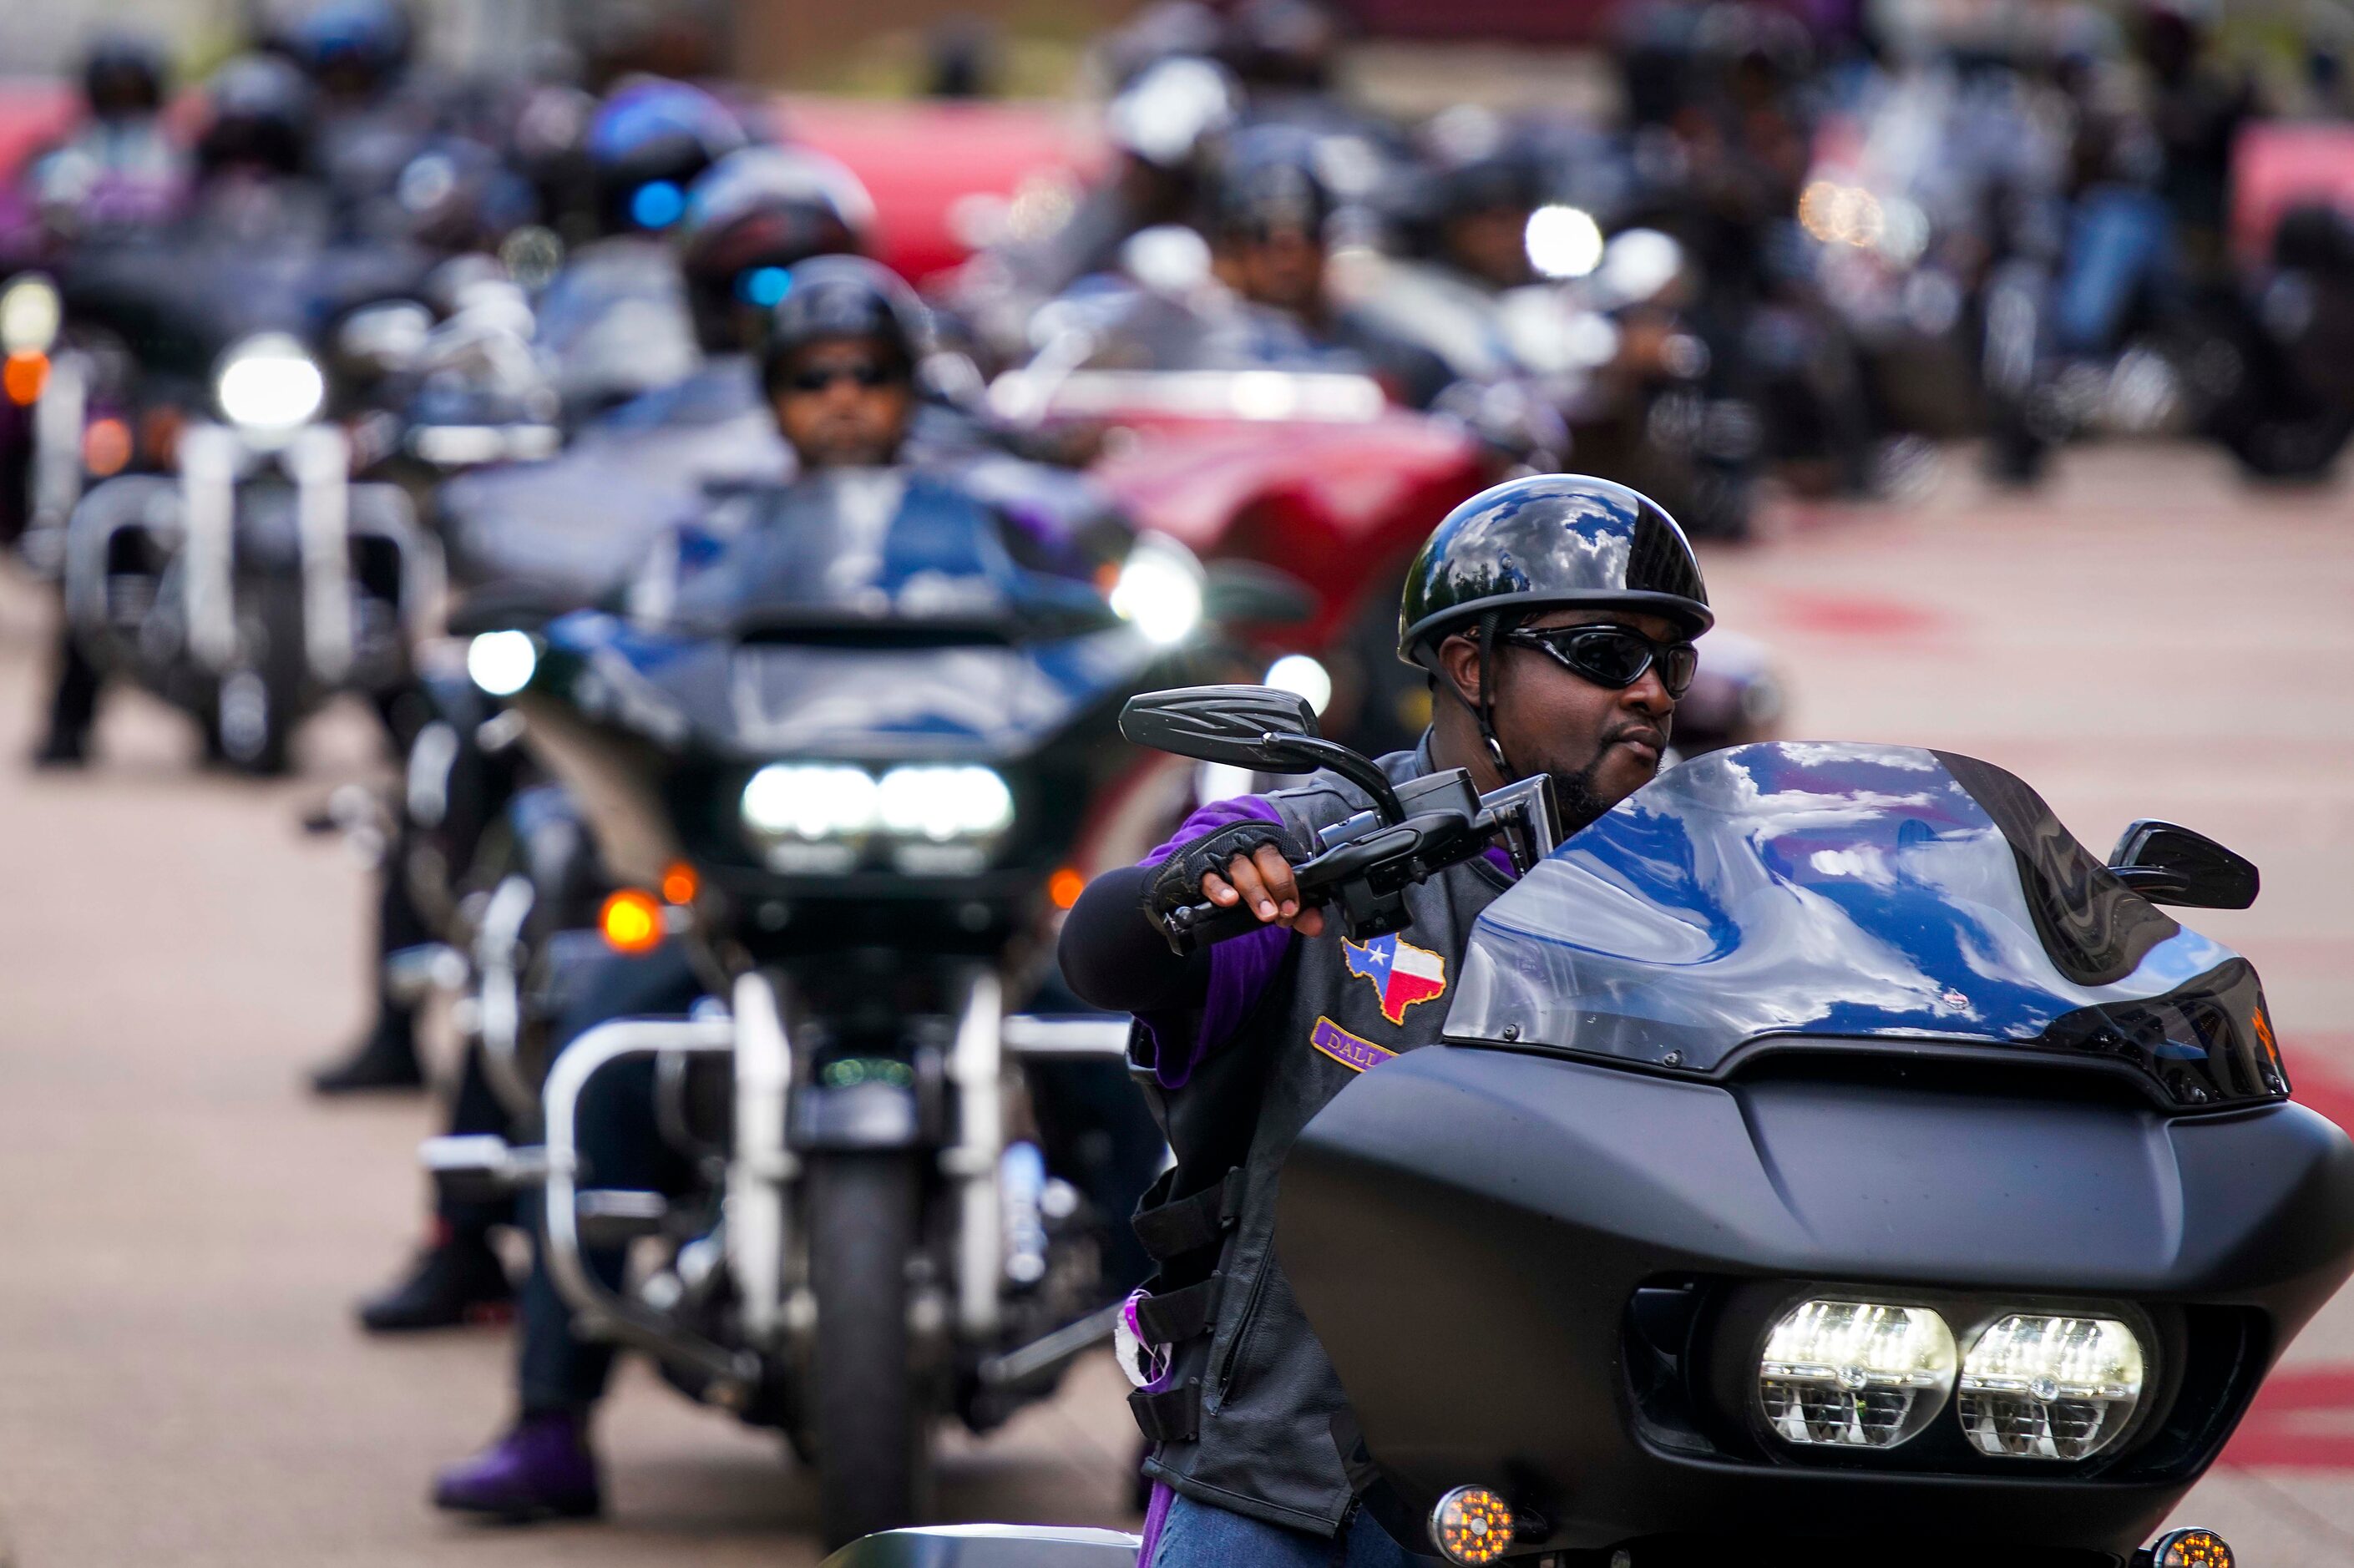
pixel 1240 967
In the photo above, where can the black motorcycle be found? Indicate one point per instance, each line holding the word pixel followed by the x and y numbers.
pixel 232 565
pixel 1830 1161
pixel 858 805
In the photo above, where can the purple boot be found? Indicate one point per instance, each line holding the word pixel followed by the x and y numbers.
pixel 541 1469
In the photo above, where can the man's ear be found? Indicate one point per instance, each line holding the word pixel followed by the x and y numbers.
pixel 1458 663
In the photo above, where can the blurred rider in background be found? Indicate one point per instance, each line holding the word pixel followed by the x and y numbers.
pixel 839 371
pixel 1269 211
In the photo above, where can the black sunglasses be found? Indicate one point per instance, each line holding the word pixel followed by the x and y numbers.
pixel 1613 656
pixel 869 373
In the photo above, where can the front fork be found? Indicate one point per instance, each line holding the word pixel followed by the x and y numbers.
pixel 757 1216
pixel 318 459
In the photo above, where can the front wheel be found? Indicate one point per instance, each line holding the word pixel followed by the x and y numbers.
pixel 871 1422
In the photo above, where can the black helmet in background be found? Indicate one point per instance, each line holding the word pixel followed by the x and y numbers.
pixel 846 297
pixel 124 76
pixel 351 49
pixel 1546 542
pixel 751 218
pixel 647 142
pixel 260 120
pixel 1268 182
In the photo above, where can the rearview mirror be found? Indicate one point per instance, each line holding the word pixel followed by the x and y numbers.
pixel 1243 726
pixel 2166 864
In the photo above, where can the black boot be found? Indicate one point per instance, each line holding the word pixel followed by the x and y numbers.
pixel 386 1060
pixel 457 1279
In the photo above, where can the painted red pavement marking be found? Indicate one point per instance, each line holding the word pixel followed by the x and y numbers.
pixel 1854 615
pixel 2281 1429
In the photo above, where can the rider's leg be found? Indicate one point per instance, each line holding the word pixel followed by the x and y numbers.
pixel 73 707
pixel 387 1055
pixel 543 1467
pixel 1196 1535
pixel 457 1277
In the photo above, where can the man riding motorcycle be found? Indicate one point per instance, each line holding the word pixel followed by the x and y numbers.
pixel 1557 614
pixel 250 151
pixel 1268 215
pixel 839 370
pixel 752 218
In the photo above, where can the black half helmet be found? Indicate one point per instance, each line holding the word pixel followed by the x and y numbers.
pixel 847 296
pixel 1549 541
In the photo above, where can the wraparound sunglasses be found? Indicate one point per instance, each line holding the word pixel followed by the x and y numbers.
pixel 1613 656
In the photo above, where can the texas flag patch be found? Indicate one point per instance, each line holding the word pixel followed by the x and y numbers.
pixel 1402 973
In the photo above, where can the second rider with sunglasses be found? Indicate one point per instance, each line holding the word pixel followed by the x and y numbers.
pixel 1555 617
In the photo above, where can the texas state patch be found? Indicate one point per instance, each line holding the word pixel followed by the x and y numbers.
pixel 1348 1050
pixel 1401 972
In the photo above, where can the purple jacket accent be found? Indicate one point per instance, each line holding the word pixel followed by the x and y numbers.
pixel 1239 966
pixel 1155 1516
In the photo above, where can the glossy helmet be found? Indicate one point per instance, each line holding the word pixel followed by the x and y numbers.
pixel 753 216
pixel 364 43
pixel 847 296
pixel 122 75
pixel 647 142
pixel 261 116
pixel 1548 541
pixel 1268 182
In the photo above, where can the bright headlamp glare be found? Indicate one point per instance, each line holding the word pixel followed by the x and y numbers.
pixel 269 383
pixel 30 316
pixel 2045 1387
pixel 837 807
pixel 1858 1375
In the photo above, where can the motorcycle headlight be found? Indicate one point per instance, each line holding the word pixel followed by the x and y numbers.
pixel 1159 590
pixel 1857 1373
pixel 500 663
pixel 813 803
pixel 1563 241
pixel 944 805
pixel 2040 1387
pixel 270 383
pixel 30 316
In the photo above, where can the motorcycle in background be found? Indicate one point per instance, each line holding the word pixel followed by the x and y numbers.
pixel 862 823
pixel 232 565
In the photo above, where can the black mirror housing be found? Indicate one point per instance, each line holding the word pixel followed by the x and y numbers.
pixel 2168 863
pixel 506 607
pixel 1232 724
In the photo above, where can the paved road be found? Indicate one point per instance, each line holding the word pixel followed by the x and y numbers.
pixel 179 1381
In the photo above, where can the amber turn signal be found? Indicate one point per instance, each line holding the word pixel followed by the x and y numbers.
pixel 631 921
pixel 23 376
pixel 2190 1548
pixel 1471 1524
pixel 679 883
pixel 1065 886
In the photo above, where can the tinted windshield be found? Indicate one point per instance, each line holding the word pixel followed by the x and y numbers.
pixel 1858 892
pixel 887 549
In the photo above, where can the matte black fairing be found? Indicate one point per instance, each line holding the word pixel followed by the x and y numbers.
pixel 1466 1230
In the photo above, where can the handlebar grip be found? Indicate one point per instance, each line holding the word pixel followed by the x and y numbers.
pixel 1201 925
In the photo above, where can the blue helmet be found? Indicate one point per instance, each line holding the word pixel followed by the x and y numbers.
pixel 647 143
pixel 362 41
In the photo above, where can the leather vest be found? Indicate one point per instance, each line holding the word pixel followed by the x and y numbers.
pixel 1244 1419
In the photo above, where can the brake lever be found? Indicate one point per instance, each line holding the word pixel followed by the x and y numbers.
pixel 1319 879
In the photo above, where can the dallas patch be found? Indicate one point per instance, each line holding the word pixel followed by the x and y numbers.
pixel 1351 1052
pixel 1402 973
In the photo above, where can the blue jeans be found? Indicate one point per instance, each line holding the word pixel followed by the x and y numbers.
pixel 1196 1535
pixel 2120 248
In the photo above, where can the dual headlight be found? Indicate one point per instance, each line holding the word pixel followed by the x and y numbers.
pixel 956 812
pixel 1872 1375
pixel 270 383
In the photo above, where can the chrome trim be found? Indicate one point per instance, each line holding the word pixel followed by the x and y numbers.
pixel 1070 1037
pixel 975 1063
pixel 60 415
pixel 605 1313
pixel 1051 1349
pixel 758 1223
pixel 498 943
pixel 321 461
pixel 208 456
